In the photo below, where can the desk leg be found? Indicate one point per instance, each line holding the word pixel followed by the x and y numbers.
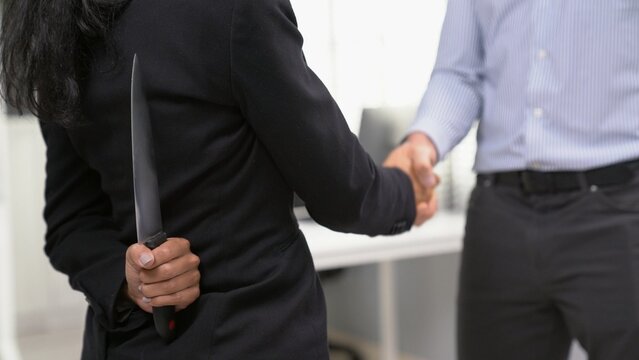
pixel 388 311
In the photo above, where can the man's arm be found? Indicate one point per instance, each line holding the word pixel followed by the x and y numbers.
pixel 453 99
pixel 451 103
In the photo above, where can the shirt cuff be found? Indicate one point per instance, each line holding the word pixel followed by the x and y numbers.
pixel 441 139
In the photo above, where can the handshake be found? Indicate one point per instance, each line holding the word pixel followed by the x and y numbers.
pixel 416 157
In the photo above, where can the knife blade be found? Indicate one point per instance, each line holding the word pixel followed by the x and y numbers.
pixel 148 217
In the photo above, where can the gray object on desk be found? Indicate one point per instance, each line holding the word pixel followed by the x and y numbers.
pixel 380 131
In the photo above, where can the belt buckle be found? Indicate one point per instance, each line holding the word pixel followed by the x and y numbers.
pixel 536 182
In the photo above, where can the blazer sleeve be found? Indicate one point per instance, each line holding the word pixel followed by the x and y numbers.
pixel 301 126
pixel 81 238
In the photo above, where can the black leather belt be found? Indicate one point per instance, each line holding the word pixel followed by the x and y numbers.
pixel 539 182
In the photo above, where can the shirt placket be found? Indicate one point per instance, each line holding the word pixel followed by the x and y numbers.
pixel 540 82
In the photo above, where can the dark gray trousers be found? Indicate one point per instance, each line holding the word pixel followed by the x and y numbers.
pixel 540 270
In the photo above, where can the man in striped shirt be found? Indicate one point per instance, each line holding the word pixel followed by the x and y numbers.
pixel 551 250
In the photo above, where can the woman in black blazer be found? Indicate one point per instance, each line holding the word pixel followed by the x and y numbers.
pixel 240 123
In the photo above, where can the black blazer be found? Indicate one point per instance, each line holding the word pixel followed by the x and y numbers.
pixel 240 123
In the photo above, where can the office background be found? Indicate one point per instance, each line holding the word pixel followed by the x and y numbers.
pixel 370 54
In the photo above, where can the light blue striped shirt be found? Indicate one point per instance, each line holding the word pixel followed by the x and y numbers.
pixel 555 83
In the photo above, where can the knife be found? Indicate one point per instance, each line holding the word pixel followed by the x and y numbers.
pixel 148 218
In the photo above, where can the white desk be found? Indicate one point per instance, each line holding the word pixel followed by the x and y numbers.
pixel 442 234
pixel 330 249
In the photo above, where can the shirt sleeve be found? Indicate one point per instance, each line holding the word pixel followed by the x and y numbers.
pixel 453 99
pixel 302 128
pixel 81 239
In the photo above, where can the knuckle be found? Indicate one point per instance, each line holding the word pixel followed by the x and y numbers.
pixel 133 247
pixel 166 270
pixel 169 286
pixel 132 251
pixel 194 260
pixel 164 252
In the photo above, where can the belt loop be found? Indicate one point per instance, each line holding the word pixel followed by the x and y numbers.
pixel 527 184
pixel 583 181
pixel 487 180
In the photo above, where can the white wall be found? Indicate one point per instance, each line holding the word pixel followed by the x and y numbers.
pixel 44 300
pixel 8 348
pixel 371 53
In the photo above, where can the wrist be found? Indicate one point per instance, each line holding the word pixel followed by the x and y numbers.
pixel 422 139
pixel 418 137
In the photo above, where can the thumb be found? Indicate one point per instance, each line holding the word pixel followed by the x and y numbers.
pixel 423 167
pixel 140 257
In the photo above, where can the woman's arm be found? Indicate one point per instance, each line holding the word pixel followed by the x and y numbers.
pixel 81 239
pixel 83 242
pixel 301 126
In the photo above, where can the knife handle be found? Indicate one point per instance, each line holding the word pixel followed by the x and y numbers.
pixel 163 316
pixel 164 319
pixel 155 240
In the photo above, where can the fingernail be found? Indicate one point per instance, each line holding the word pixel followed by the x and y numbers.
pixel 428 180
pixel 140 288
pixel 146 299
pixel 145 259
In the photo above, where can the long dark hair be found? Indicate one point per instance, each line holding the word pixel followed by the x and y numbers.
pixel 43 46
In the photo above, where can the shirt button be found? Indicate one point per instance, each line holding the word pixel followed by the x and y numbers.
pixel 542 54
pixel 538 113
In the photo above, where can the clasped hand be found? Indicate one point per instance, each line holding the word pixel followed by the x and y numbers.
pixel 416 157
pixel 166 275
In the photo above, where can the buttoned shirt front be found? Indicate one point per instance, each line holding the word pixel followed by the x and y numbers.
pixel 554 84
